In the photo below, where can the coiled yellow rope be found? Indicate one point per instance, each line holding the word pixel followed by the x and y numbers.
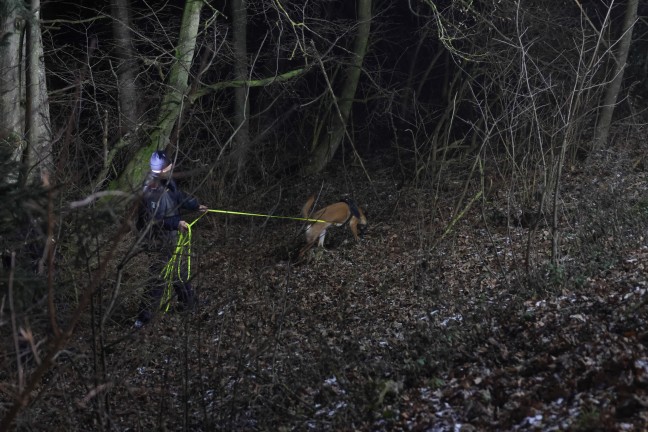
pixel 183 247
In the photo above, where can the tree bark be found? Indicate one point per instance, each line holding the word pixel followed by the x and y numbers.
pixel 612 92
pixel 12 90
pixel 329 139
pixel 39 150
pixel 127 66
pixel 241 139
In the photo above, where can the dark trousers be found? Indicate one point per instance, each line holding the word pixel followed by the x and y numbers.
pixel 158 255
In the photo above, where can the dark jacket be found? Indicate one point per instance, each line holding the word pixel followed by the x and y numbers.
pixel 162 201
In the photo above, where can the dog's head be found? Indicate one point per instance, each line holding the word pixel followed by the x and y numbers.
pixel 362 228
pixel 357 213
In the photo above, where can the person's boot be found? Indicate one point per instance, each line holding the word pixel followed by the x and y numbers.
pixel 143 317
pixel 149 303
pixel 186 298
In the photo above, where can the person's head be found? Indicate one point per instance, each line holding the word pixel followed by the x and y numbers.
pixel 160 162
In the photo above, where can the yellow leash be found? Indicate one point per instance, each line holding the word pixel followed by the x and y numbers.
pixel 259 215
pixel 184 246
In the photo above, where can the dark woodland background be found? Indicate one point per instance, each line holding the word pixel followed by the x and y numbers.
pixel 498 149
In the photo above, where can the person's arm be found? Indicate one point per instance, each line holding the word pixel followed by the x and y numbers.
pixel 185 201
pixel 191 203
pixel 172 223
pixel 188 202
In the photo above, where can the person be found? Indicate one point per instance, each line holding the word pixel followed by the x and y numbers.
pixel 162 201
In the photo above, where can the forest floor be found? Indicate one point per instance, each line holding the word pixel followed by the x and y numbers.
pixel 416 327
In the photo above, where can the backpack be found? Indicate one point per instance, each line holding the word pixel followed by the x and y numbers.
pixel 154 196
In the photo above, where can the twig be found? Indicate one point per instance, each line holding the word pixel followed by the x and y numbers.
pixel 24 396
pixel 456 219
pixel 14 328
pixel 341 119
pixel 95 196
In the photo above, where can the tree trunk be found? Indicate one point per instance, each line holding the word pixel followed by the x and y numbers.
pixel 37 125
pixel 127 66
pixel 241 139
pixel 612 92
pixel 174 98
pixel 329 139
pixel 12 90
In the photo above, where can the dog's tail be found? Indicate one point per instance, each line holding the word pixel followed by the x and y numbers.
pixel 308 207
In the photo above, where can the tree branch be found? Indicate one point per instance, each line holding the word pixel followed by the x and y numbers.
pixel 249 83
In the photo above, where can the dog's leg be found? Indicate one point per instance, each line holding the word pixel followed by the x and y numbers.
pixel 354 228
pixel 305 249
pixel 320 242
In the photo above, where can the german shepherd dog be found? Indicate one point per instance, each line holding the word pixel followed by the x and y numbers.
pixel 338 214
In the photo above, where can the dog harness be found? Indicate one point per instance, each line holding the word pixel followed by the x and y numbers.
pixel 353 208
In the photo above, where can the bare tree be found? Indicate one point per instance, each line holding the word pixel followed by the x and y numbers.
pixel 613 89
pixel 24 108
pixel 175 95
pixel 127 66
pixel 13 16
pixel 37 119
pixel 241 140
pixel 330 137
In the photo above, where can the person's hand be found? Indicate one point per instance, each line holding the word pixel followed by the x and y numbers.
pixel 203 208
pixel 183 226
